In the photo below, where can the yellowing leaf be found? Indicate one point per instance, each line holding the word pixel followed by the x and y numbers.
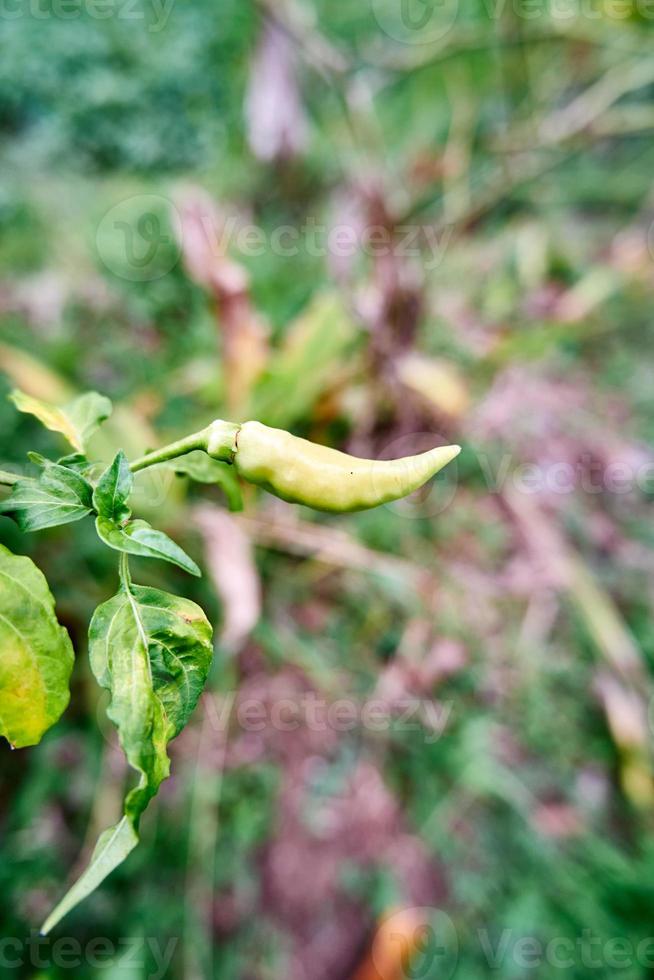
pixel 306 366
pixel 76 421
pixel 31 376
pixel 437 381
pixel 36 655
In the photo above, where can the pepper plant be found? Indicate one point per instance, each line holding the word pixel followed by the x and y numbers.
pixel 149 649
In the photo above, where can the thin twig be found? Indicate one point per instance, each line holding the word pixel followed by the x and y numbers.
pixel 556 131
pixel 334 546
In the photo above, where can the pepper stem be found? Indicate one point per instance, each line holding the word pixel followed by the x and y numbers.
pixel 221 440
pixel 218 439
pixel 197 440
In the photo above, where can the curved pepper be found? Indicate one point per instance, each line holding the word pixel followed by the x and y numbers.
pixel 304 472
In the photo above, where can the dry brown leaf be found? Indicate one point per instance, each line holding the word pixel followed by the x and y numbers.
pixel 334 546
pixel 276 121
pixel 234 573
pixel 205 234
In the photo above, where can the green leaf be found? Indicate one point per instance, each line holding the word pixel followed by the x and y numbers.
pixel 199 466
pixel 112 492
pixel 77 462
pixel 57 496
pixel 140 538
pixel 112 848
pixel 77 420
pixel 152 651
pixel 36 655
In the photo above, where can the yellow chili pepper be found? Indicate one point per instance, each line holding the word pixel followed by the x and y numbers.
pixel 303 472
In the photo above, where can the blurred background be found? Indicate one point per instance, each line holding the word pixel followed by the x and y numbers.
pixel 425 746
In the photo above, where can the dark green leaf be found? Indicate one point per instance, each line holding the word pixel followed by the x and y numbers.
pixel 58 496
pixel 152 651
pixel 139 538
pixel 36 656
pixel 77 462
pixel 112 492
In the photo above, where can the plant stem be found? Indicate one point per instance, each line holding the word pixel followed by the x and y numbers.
pixel 218 439
pixel 123 571
pixel 197 440
pixel 8 479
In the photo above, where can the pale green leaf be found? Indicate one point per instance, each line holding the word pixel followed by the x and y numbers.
pixel 179 649
pixel 112 492
pixel 76 421
pixel 58 495
pixel 36 655
pixel 139 538
pixel 202 468
pixel 113 847
pixel 152 651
